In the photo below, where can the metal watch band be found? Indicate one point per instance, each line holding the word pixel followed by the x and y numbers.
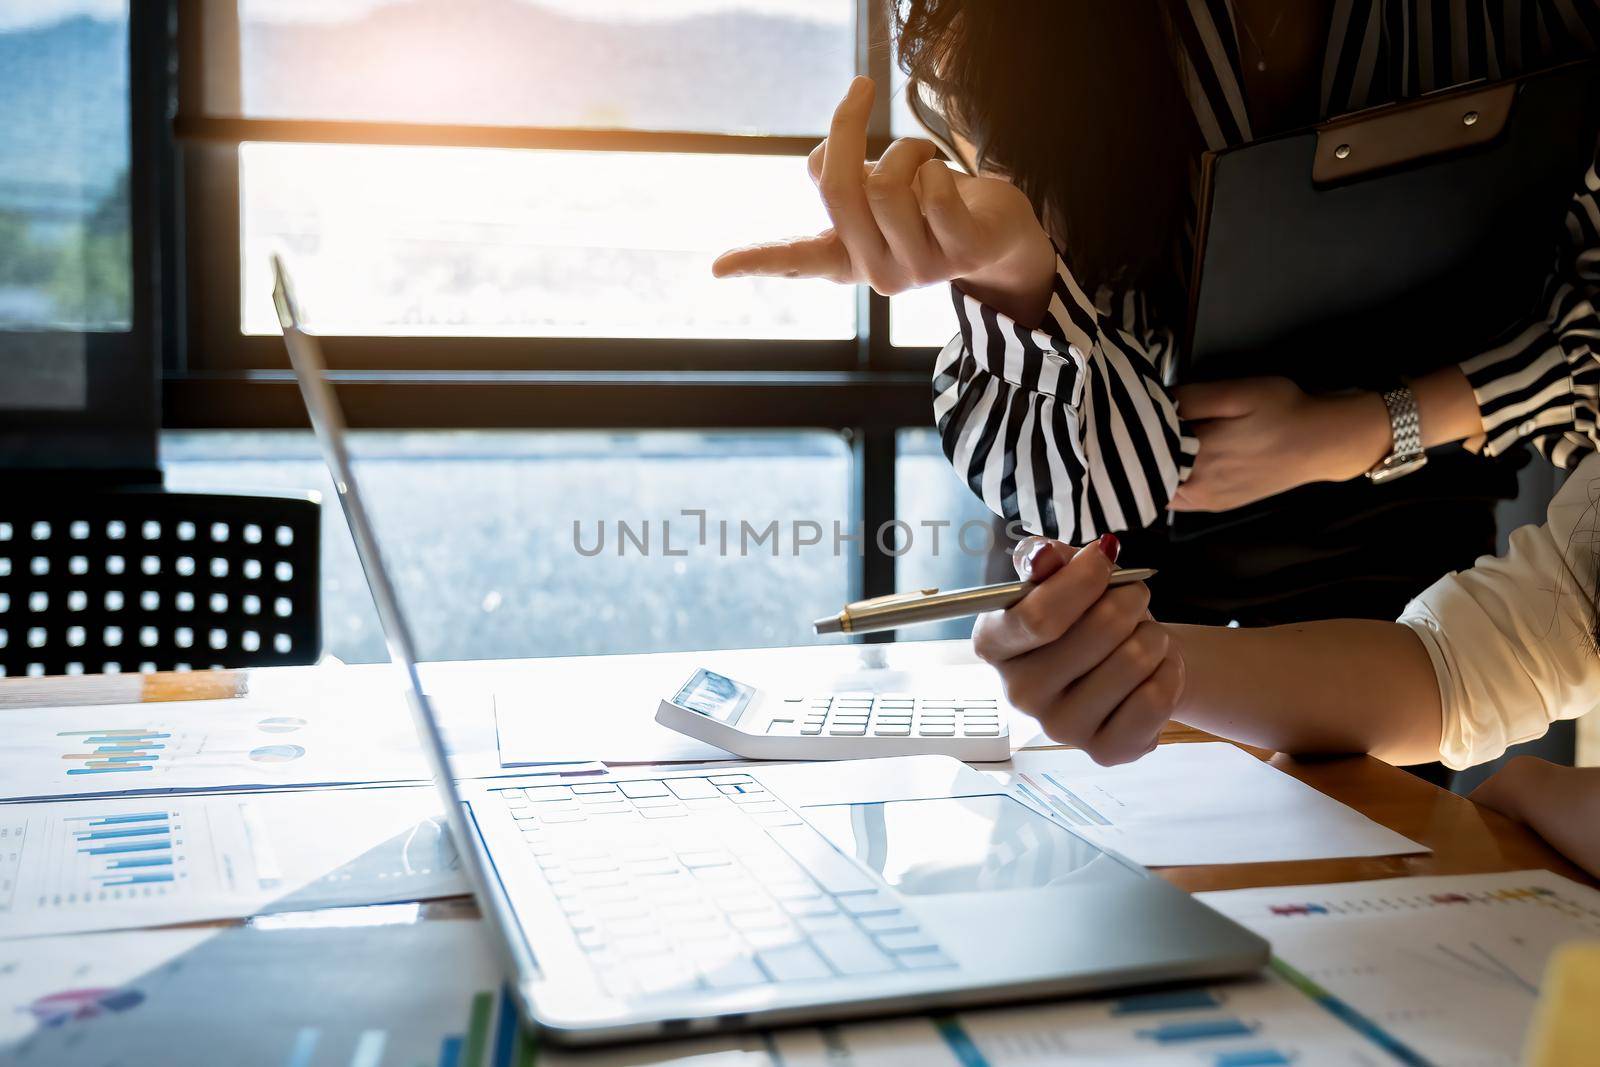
pixel 1404 423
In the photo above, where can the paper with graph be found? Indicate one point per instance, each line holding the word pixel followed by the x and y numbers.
pixel 82 865
pixel 1450 967
pixel 1196 804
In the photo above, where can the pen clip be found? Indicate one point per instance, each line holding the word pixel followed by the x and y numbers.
pixel 892 598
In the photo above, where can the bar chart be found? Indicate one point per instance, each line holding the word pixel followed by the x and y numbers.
pixel 141 849
pixel 115 751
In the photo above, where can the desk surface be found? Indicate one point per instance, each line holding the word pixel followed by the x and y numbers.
pixel 1465 838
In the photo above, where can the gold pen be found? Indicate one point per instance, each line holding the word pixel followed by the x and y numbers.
pixel 929 605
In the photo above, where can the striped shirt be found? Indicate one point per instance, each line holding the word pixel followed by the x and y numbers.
pixel 1070 428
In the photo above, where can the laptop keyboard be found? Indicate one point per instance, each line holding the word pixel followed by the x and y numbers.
pixel 709 883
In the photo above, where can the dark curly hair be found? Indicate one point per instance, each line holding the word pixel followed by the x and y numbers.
pixel 1082 104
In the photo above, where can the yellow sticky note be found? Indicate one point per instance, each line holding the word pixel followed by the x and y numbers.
pixel 1566 1026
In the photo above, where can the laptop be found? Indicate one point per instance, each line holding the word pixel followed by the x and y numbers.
pixel 654 903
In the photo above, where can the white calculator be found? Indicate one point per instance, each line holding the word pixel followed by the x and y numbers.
pixel 747 722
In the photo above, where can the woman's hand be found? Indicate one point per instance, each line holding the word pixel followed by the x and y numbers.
pixel 908 221
pixel 1085 660
pixel 1264 436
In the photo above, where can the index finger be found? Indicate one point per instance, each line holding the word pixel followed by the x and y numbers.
pixel 1049 609
pixel 842 186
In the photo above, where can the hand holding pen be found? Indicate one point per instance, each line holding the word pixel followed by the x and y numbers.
pixel 1083 657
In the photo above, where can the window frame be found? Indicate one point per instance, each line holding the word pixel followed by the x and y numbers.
pixel 216 377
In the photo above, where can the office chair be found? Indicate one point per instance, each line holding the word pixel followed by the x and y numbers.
pixel 138 579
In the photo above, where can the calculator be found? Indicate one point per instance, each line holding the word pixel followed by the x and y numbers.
pixel 848 725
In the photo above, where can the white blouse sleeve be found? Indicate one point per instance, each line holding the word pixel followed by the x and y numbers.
pixel 1512 640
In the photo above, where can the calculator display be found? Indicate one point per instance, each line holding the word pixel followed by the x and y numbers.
pixel 714 696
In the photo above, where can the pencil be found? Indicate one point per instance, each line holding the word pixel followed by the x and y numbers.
pixel 77 689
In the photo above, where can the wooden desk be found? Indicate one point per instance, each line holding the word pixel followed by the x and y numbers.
pixel 1465 838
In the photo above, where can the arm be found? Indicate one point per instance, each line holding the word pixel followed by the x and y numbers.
pixel 1066 428
pixel 1543 385
pixel 1334 687
pixel 1560 804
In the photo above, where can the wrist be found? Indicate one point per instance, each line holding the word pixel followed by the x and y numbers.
pixel 1524 780
pixel 1361 434
pixel 1019 284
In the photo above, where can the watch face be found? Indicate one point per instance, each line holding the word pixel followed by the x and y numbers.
pixel 1395 467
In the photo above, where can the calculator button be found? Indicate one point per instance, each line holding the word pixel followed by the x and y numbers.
pixel 982 731
pixel 594 789
pixel 893 730
pixel 545 793
pixel 810 728
pixel 937 730
pixel 848 730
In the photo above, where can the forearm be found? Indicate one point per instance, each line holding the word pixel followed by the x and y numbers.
pixel 1340 686
pixel 1561 804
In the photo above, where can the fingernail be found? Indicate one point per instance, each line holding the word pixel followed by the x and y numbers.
pixel 1022 555
pixel 1110 546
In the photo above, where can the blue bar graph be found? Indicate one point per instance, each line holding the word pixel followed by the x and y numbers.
pixel 131 846
pixel 117 820
pixel 115 751
pixel 305 1046
pixel 137 879
pixel 1202 1030
pixel 131 851
pixel 126 831
pixel 1256 1057
pixel 505 1032
pixel 450 1051
pixel 1167 1000
pixel 141 861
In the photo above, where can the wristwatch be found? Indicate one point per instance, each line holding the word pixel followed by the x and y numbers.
pixel 1406 430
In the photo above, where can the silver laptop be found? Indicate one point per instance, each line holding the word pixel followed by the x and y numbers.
pixel 679 902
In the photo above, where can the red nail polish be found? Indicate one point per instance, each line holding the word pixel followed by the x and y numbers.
pixel 1110 546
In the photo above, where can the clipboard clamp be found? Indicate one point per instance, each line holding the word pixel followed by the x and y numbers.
pixel 1409 132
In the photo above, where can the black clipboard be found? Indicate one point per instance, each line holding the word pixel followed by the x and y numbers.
pixel 1391 242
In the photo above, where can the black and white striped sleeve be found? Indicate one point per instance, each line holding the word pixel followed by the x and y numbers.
pixel 1543 385
pixel 1067 428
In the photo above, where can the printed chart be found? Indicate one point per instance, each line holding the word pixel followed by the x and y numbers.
pixel 1448 968
pixel 82 865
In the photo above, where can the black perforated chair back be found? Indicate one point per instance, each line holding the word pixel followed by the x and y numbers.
pixel 146 580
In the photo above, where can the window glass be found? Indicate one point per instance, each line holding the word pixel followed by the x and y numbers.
pixel 469 241
pixel 65 260
pixel 737 66
pixel 922 317
pixel 479 529
pixel 967 549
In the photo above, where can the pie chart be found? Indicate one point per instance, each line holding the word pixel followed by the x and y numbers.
pixel 277 753
pixel 280 724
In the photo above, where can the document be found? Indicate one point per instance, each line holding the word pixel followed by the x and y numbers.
pixel 152 749
pixel 1186 804
pixel 121 863
pixel 1249 1023
pixel 1449 967
pixel 374 989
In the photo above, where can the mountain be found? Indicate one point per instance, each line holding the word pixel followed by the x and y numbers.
pixel 64 110
pixel 514 62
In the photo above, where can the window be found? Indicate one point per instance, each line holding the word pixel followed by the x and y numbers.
pixel 510 544
pixel 501 217
pixel 76 347
pixel 64 232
